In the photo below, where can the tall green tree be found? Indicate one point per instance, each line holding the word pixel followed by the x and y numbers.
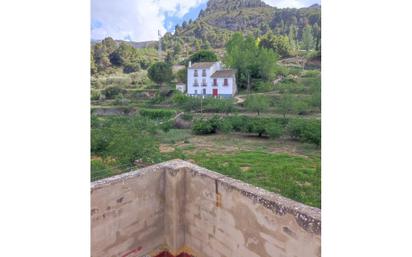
pixel 278 43
pixel 307 38
pixel 250 60
pixel 181 75
pixel 101 57
pixel 316 35
pixel 109 44
pixel 124 54
pixel 160 73
pixel 293 37
pixel 203 56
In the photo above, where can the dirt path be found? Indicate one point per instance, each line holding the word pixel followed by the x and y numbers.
pixel 171 119
pixel 239 99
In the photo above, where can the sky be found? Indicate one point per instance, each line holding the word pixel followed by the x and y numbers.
pixel 140 20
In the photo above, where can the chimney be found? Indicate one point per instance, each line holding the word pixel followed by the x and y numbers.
pixel 190 64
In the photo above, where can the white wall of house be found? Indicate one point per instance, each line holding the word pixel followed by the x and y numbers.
pixel 201 80
pixel 230 89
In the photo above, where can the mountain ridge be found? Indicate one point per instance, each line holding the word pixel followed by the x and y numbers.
pixel 221 18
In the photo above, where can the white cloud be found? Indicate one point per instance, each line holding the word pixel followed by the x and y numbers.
pixel 138 19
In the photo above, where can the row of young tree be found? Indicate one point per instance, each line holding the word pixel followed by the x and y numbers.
pixel 303 130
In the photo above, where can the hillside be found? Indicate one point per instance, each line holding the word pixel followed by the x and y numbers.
pixel 141 44
pixel 221 18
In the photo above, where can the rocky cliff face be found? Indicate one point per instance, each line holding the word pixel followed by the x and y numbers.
pixel 219 5
pixel 237 15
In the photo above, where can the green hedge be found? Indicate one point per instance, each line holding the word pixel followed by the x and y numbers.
pixel 305 130
pixel 157 113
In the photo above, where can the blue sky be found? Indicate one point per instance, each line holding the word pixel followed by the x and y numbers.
pixel 139 20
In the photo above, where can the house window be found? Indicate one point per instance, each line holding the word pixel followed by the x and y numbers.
pixel 204 91
pixel 196 84
pixel 204 84
pixel 225 83
pixel 195 73
pixel 215 82
pixel 196 92
pixel 203 73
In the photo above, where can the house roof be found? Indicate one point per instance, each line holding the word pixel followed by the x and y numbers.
pixel 224 73
pixel 201 65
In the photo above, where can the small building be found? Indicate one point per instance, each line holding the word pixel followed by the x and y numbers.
pixel 211 79
pixel 181 87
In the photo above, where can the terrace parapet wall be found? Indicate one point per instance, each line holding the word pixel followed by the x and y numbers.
pixel 179 207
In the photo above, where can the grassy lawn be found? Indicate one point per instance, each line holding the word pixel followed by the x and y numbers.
pixel 289 168
pixel 295 177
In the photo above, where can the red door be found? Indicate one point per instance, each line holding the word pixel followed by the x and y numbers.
pixel 214 91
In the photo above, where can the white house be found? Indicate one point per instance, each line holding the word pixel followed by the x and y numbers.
pixel 210 79
pixel 181 87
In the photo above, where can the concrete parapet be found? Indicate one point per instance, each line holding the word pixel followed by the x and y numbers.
pixel 179 207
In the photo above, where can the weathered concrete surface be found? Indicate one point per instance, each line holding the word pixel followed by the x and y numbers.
pixel 127 213
pixel 181 207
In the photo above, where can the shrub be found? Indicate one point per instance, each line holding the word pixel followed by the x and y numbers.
pixel 166 126
pixel 305 130
pixel 218 105
pixel 111 92
pixel 131 67
pixel 187 103
pixel 95 95
pixel 263 86
pixel 239 123
pixel 211 126
pixel 225 126
pixel 294 71
pixel 274 130
pixel 202 127
pixel 180 99
pixel 311 74
pixel 157 113
pixel 124 139
pixel 257 103
pixel 121 100
pixel 100 140
pixel 301 107
pixel 257 126
pixel 160 72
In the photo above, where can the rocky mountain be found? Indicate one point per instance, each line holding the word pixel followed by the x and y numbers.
pixel 219 5
pixel 222 18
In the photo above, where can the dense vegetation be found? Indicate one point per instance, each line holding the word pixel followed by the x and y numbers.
pixel 108 56
pixel 215 25
pixel 269 135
